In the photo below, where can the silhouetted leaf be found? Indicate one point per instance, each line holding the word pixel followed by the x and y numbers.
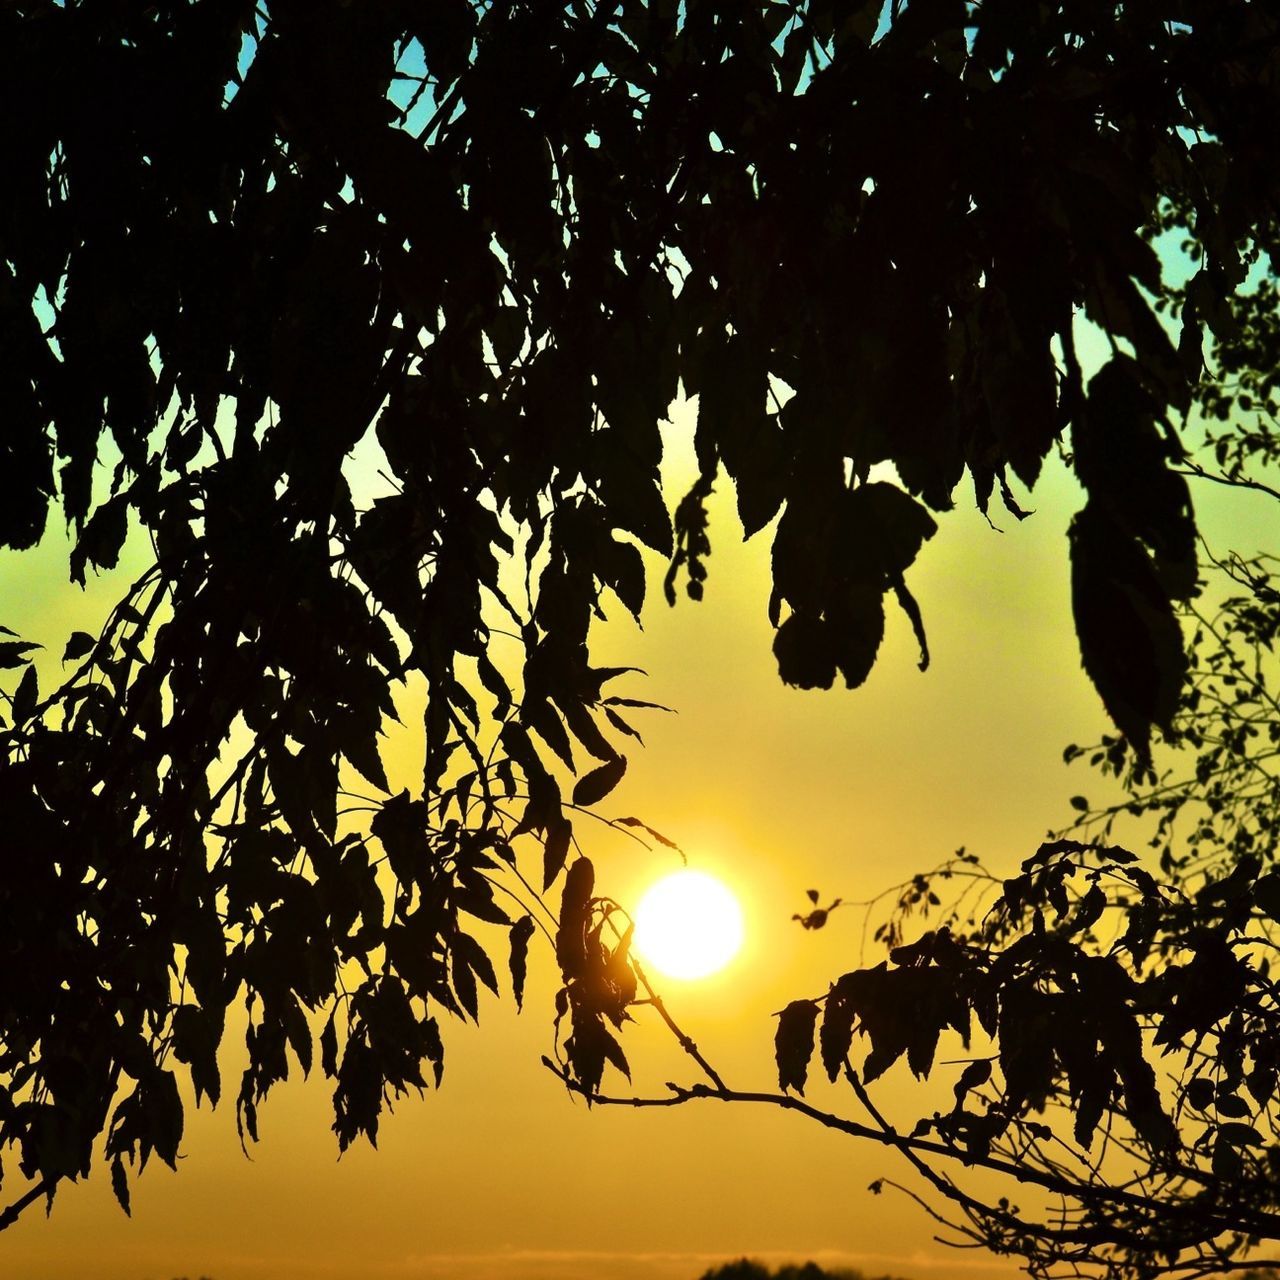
pixel 793 1043
pixel 1130 641
pixel 592 787
pixel 1266 893
pixel 79 643
pixel 329 1048
pixel 859 628
pixel 12 653
pixel 974 1076
pixel 805 648
pixel 555 850
pixel 836 1033
pixel 1090 909
pixel 120 1185
pixel 102 539
pixel 575 909
pixel 26 696
pixel 648 830
pixel 164 1115
pixel 520 934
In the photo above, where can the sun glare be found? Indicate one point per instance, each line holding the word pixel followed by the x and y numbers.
pixel 688 925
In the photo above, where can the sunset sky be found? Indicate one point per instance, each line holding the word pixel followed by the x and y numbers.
pixel 501 1173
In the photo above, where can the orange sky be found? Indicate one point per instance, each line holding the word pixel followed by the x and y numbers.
pixel 500 1173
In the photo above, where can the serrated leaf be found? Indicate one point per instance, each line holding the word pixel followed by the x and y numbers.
pixel 464 983
pixel 26 696
pixel 592 787
pixel 555 849
pixel 1090 910
pixel 521 932
pixel 164 1115
pixel 79 643
pixel 836 1033
pixel 329 1047
pixel 11 653
pixel 120 1185
pixel 793 1043
pixel 477 960
pixel 805 648
pixel 575 911
pixel 361 749
pixel 657 835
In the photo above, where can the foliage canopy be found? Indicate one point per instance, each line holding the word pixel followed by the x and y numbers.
pixel 487 244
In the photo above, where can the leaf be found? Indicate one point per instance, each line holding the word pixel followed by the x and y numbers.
pixel 464 982
pixel 793 1043
pixel 11 653
pixel 836 1034
pixel 575 911
pixel 1240 1135
pixel 520 934
pixel 858 630
pixel 1199 1093
pixel 1130 640
pixel 555 849
pixel 1266 893
pixel 625 568
pixel 894 524
pixel 102 538
pixel 644 826
pixel 621 725
pixel 401 827
pixel 79 643
pixel 591 788
pixel 1094 1097
pixel 613 1052
pixel 196 1033
pixel 361 748
pixel 805 649
pixel 329 1047
pixel 1090 910
pixel 477 960
pixel 973 1076
pixel 298 1033
pixel 120 1185
pixel 1261 1084
pixel 163 1107
pixel 26 696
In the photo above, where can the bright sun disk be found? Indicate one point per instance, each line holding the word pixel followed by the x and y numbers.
pixel 688 925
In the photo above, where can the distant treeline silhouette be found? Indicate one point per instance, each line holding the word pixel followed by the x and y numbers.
pixel 748 1269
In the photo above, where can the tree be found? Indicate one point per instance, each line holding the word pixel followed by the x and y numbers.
pixel 746 1269
pixel 485 245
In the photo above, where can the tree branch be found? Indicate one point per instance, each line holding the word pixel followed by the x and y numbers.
pixel 10 1215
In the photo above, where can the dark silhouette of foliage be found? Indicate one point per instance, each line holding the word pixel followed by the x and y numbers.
pixel 485 245
pixel 747 1269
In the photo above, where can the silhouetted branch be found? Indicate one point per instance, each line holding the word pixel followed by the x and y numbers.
pixel 11 1214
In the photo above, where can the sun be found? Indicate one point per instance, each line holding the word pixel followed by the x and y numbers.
pixel 688 925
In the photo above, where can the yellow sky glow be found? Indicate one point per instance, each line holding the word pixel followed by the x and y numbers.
pixel 688 925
